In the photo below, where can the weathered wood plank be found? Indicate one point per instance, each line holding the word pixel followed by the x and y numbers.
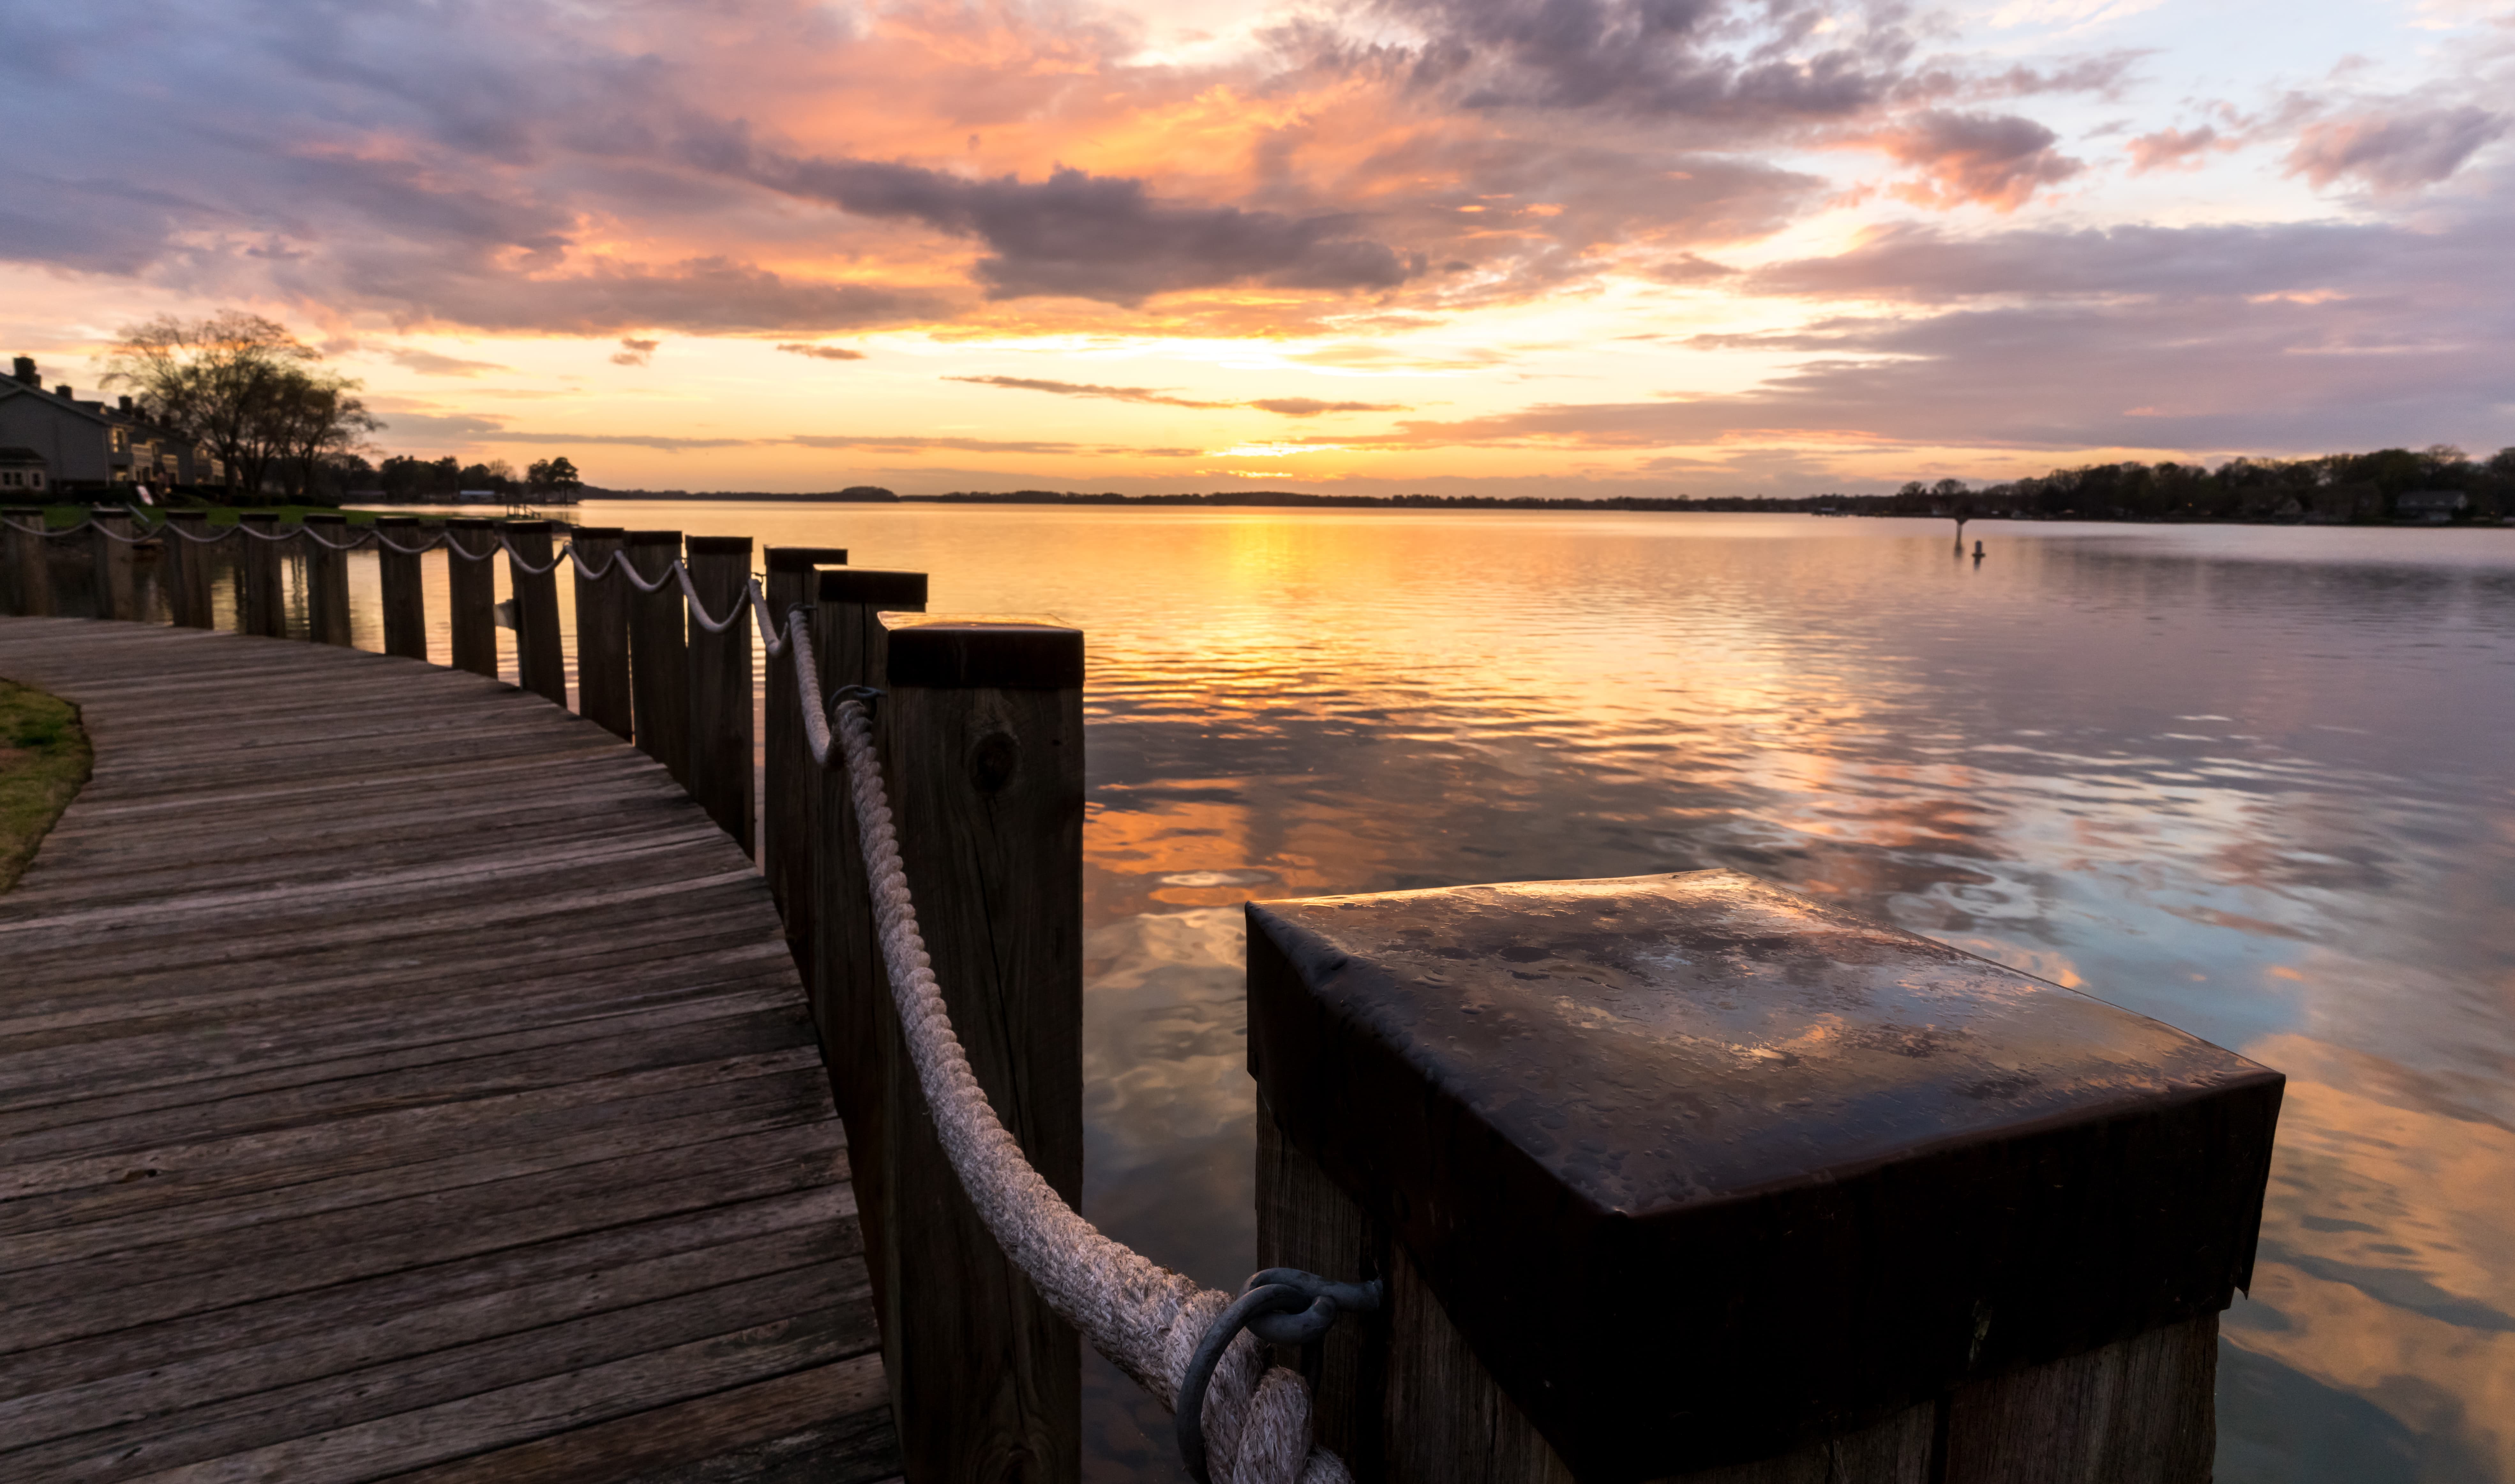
pixel 401 1074
pixel 828 1426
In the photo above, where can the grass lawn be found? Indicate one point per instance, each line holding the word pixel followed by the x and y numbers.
pixel 44 758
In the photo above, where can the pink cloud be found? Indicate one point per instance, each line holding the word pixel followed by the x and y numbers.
pixel 1994 160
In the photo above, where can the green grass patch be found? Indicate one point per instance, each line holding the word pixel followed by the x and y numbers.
pixel 44 760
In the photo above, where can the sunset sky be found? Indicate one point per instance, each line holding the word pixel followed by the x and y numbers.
pixel 1583 247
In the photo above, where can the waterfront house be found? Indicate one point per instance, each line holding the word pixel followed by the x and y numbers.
pixel 78 443
pixel 96 443
pixel 2430 506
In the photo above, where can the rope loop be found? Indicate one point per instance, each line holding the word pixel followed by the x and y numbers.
pixel 1281 1305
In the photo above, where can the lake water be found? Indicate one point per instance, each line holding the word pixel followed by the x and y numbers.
pixel 2257 782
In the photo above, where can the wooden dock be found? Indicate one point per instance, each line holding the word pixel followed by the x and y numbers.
pixel 402 1078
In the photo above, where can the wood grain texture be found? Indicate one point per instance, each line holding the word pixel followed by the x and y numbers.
pixel 659 658
pixel 1402 1396
pixel 471 596
pixel 720 667
pixel 2140 1410
pixel 786 804
pixel 541 664
pixel 602 694
pixel 183 566
pixel 261 605
pixel 417 1084
pixel 117 586
pixel 25 585
pixel 327 580
pixel 987 785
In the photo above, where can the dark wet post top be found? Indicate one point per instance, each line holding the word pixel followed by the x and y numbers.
pixel 1670 1173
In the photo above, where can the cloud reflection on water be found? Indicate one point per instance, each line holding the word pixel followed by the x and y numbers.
pixel 2251 781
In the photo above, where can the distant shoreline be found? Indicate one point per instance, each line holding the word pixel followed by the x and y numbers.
pixel 1895 507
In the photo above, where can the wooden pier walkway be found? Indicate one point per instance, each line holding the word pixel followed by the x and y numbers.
pixel 402 1078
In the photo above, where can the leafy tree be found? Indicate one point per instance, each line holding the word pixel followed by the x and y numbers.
pixel 314 419
pixel 555 475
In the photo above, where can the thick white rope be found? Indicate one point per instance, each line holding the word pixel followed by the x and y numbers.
pixel 1144 1318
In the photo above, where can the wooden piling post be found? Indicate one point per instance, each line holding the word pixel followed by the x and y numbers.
pixel 405 598
pixel 720 712
pixel 831 927
pixel 261 603
pixel 186 563
pixel 602 630
pixel 785 841
pixel 1685 1177
pixel 659 656
pixel 982 734
pixel 541 660
pixel 118 588
pixel 471 595
pixel 327 579
pixel 29 559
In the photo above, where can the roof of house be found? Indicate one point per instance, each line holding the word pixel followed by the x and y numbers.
pixel 8 388
pixel 14 455
pixel 2431 499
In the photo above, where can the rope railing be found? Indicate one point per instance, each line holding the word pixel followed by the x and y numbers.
pixel 594 571
pixel 1201 1352
pixel 1240 1419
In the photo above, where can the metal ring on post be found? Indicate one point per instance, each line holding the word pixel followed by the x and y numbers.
pixel 1281 1305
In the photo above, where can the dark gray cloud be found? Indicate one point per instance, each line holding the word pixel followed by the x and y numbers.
pixel 1102 237
pixel 636 353
pixel 821 353
pixel 2393 153
pixel 1753 65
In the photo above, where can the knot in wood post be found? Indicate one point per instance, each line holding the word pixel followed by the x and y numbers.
pixel 327 579
pixel 1672 1175
pixel 261 601
pixel 405 598
pixel 540 659
pixel 720 718
pixel 471 595
pixel 602 694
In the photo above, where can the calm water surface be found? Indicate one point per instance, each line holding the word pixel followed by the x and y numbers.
pixel 2255 782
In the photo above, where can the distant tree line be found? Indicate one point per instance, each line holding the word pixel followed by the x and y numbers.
pixel 407 480
pixel 2335 488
